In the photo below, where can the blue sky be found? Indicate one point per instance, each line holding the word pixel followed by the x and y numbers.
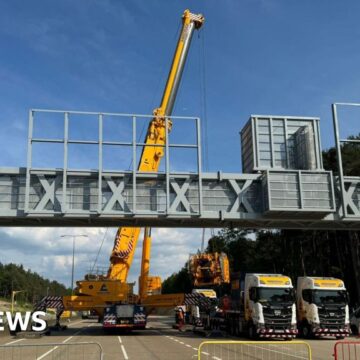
pixel 276 57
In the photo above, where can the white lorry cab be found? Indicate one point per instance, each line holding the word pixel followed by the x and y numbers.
pixel 198 317
pixel 269 306
pixel 322 306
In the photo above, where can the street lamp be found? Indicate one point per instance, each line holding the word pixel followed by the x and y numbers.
pixel 13 294
pixel 73 258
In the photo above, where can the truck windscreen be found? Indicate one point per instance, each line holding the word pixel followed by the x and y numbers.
pixel 275 296
pixel 329 297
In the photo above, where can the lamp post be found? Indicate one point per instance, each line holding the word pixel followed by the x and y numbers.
pixel 73 259
pixel 13 294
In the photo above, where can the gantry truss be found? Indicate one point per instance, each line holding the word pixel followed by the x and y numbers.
pixel 286 199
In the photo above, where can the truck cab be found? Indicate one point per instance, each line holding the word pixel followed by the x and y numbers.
pixel 269 306
pixel 198 316
pixel 322 306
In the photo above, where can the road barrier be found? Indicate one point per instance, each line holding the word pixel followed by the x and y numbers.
pixel 347 350
pixel 67 351
pixel 262 350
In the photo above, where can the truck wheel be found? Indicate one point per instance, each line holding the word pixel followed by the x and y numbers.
pixel 354 330
pixel 306 331
pixel 252 331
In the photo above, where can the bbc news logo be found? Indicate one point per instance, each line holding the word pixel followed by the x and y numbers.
pixel 18 321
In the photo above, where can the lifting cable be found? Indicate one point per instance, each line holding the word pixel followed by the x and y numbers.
pixel 203 106
pixel 203 98
pixel 98 253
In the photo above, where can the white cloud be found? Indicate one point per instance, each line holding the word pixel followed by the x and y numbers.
pixel 43 250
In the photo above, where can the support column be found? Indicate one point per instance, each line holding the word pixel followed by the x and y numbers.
pixel 145 264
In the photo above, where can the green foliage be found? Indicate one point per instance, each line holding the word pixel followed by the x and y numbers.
pixel 236 245
pixel 179 282
pixel 350 154
pixel 15 277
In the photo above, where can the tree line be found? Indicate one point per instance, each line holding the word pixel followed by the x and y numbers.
pixel 292 252
pixel 15 278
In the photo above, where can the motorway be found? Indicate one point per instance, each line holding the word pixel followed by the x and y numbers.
pixel 159 341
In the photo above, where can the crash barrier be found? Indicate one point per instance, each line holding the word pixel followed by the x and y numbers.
pixel 347 350
pixel 52 351
pixel 244 350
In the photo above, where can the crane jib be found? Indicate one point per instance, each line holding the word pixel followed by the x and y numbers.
pixel 126 239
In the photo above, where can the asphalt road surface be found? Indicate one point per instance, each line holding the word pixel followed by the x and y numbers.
pixel 159 341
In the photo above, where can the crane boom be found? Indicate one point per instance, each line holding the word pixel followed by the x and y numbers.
pixel 104 293
pixel 126 237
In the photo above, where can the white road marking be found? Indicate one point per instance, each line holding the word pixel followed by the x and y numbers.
pixel 205 353
pixel 123 349
pixel 182 343
pixel 47 353
pixel 216 358
pixel 54 348
pixel 13 342
pixel 280 352
pixel 70 337
pixel 124 352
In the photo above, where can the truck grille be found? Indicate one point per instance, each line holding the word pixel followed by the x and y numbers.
pixel 332 319
pixel 277 319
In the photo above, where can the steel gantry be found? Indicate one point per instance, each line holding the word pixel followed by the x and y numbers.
pixel 270 198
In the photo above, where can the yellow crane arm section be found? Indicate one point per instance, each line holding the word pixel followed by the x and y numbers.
pixel 163 300
pixel 126 237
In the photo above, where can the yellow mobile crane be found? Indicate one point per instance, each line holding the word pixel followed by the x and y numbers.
pixel 104 293
pixel 208 271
